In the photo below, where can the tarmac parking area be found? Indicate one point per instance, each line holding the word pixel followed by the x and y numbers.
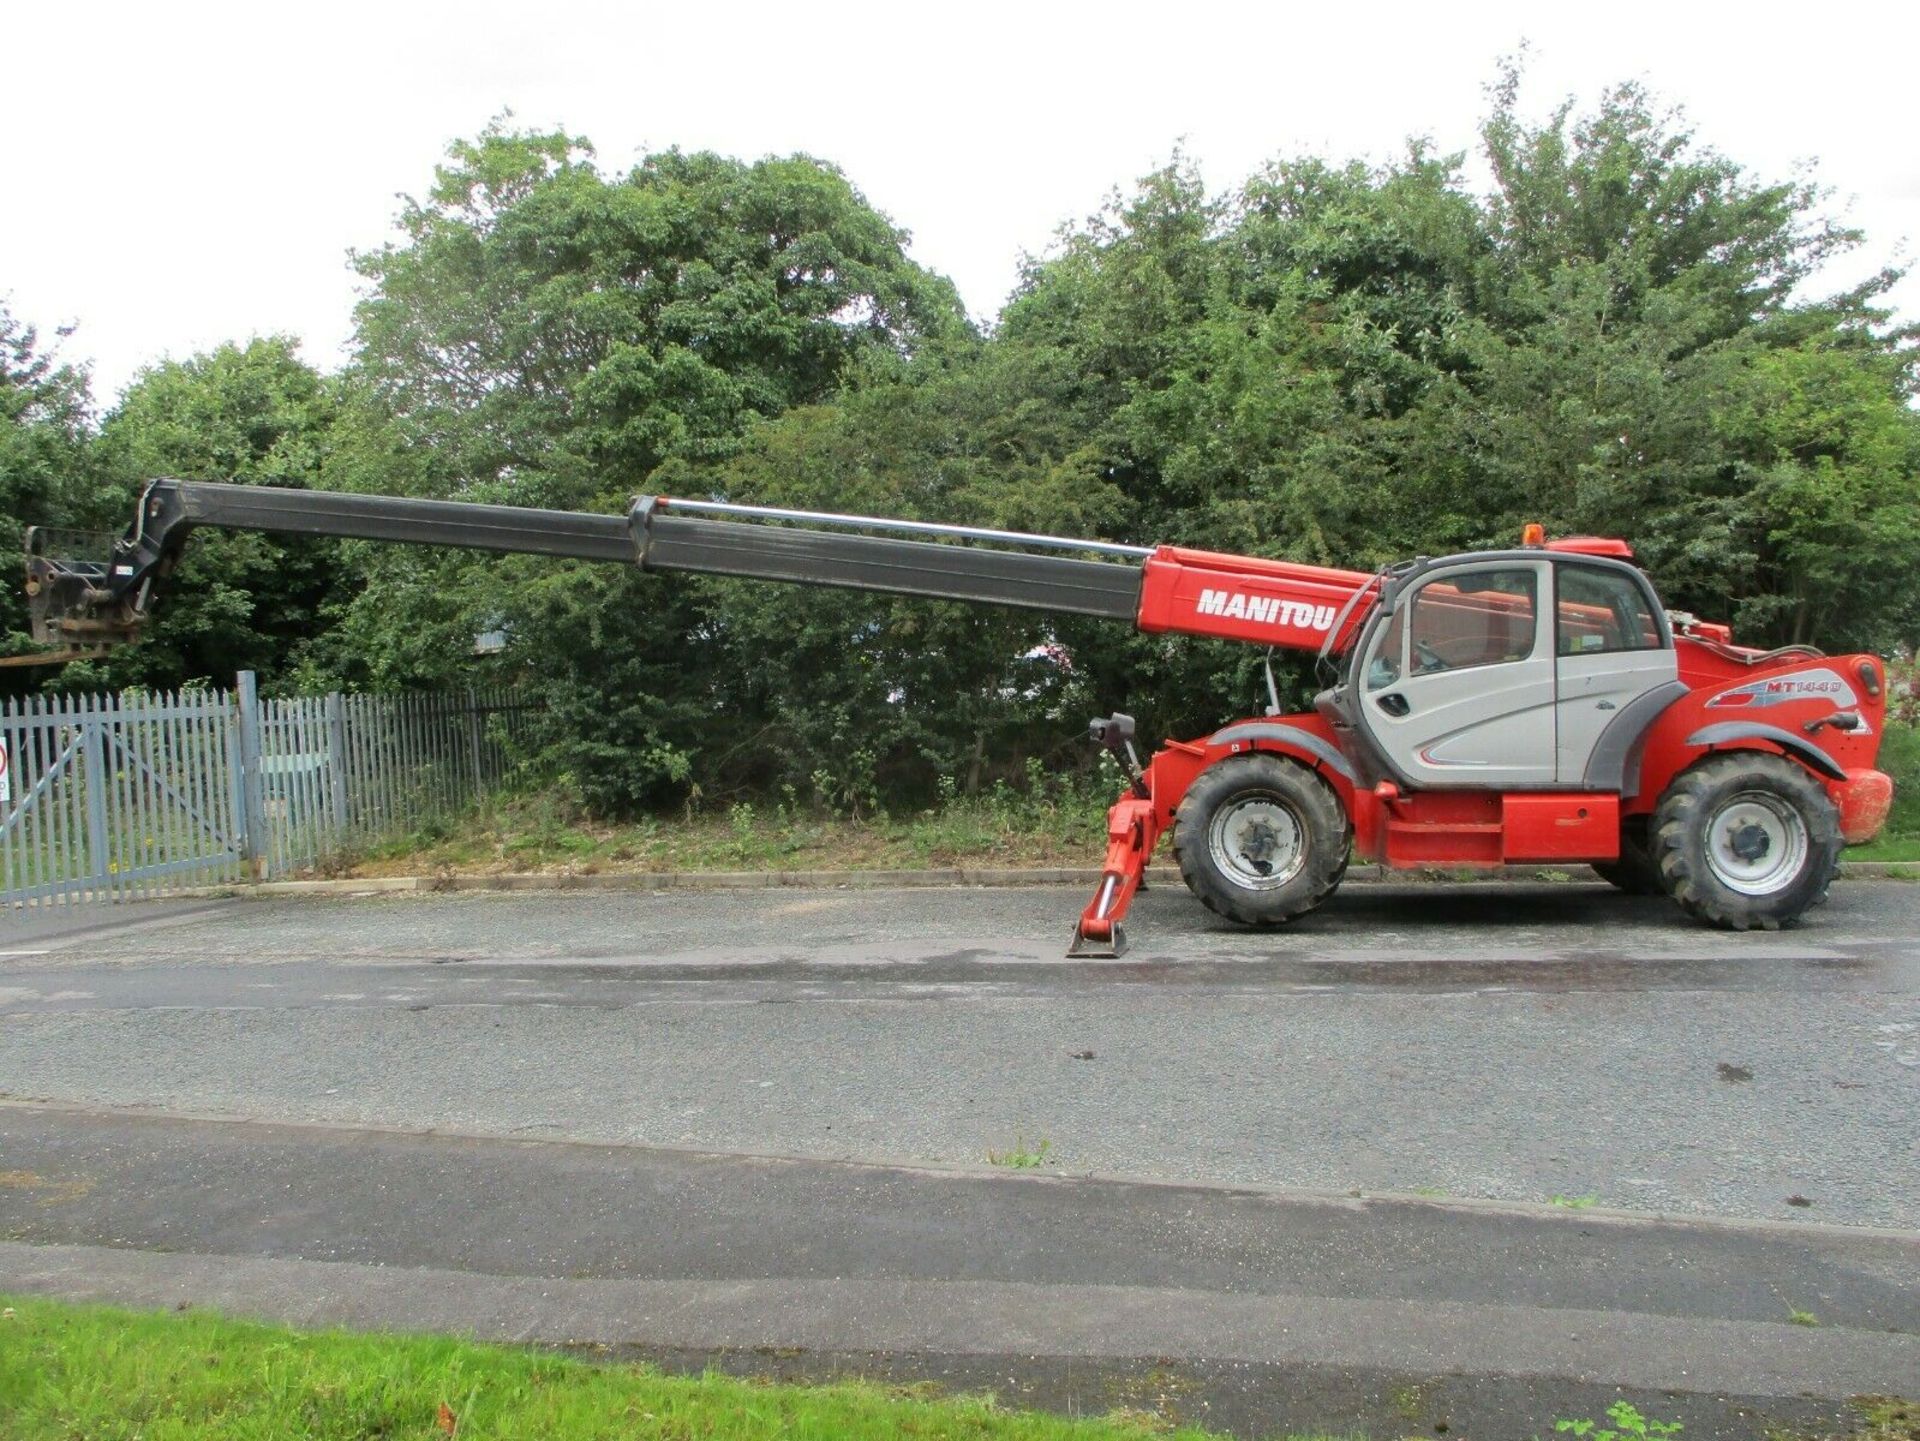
pixel 1506 1149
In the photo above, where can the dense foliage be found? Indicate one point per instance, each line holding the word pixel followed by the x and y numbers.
pixel 45 468
pixel 1335 362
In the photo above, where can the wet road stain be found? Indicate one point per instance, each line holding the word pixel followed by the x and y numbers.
pixel 874 972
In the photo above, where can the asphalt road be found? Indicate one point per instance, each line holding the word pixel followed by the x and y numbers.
pixel 1260 1312
pixel 1494 1041
pixel 1310 1173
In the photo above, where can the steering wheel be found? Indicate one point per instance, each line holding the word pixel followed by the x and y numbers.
pixel 1429 658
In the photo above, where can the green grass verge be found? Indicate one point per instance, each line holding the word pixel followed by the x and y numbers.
pixel 111 1375
pixel 1900 758
pixel 1061 827
pixel 1887 848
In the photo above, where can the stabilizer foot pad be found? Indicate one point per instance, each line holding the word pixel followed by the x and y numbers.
pixel 1091 948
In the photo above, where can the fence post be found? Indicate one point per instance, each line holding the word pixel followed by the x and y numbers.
pixel 96 782
pixel 253 809
pixel 337 761
pixel 473 743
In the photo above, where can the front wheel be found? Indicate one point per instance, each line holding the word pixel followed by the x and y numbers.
pixel 1260 839
pixel 1746 840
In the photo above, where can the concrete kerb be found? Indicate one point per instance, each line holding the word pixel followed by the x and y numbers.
pixel 937 878
pixel 941 878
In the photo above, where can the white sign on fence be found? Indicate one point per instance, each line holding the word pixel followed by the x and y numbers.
pixel 6 774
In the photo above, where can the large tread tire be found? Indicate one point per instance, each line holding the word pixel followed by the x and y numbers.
pixel 1326 838
pixel 1636 872
pixel 1683 826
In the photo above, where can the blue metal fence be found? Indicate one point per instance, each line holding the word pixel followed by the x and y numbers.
pixel 139 794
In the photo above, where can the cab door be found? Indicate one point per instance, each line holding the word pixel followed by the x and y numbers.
pixel 1614 665
pixel 1458 685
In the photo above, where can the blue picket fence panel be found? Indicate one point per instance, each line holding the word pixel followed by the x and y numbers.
pixel 142 794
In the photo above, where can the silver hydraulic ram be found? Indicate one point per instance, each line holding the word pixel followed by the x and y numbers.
pixel 79 604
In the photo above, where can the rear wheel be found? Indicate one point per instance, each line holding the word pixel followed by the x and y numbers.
pixel 1746 840
pixel 1261 839
pixel 1635 871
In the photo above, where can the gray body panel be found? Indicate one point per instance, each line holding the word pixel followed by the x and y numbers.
pixel 1276 736
pixel 1614 763
pixel 1726 732
pixel 1598 695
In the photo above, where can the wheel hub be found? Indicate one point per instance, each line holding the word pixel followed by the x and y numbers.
pixel 1257 842
pixel 1750 843
pixel 1757 843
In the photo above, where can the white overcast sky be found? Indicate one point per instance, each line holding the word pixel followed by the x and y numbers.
pixel 183 174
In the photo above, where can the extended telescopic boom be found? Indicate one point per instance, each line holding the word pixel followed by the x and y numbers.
pixel 82 604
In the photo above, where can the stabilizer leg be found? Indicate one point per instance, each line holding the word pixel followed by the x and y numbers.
pixel 1132 831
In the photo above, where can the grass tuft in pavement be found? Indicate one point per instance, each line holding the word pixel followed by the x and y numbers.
pixel 1888 1418
pixel 112 1375
pixel 1879 1418
pixel 1021 1158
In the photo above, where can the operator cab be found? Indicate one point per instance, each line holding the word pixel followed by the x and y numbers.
pixel 1512 670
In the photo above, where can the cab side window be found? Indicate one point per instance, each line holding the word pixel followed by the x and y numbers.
pixel 1601 610
pixel 1473 618
pixel 1385 670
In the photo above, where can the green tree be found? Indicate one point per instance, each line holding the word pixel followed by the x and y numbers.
pixel 45 464
pixel 867 697
pixel 548 335
pixel 1652 366
pixel 542 326
pixel 1822 493
pixel 1628 189
pixel 253 415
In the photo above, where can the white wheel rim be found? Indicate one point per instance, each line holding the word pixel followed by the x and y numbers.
pixel 1756 844
pixel 1257 842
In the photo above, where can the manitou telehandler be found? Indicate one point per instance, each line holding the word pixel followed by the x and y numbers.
pixel 1533 705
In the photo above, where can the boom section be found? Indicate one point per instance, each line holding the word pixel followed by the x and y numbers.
pixel 811 548
pixel 1278 603
pixel 89 602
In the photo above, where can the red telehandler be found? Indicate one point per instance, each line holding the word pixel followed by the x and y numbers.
pixel 1532 705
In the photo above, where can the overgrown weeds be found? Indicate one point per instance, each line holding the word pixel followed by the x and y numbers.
pixel 1048 821
pixel 1022 1157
